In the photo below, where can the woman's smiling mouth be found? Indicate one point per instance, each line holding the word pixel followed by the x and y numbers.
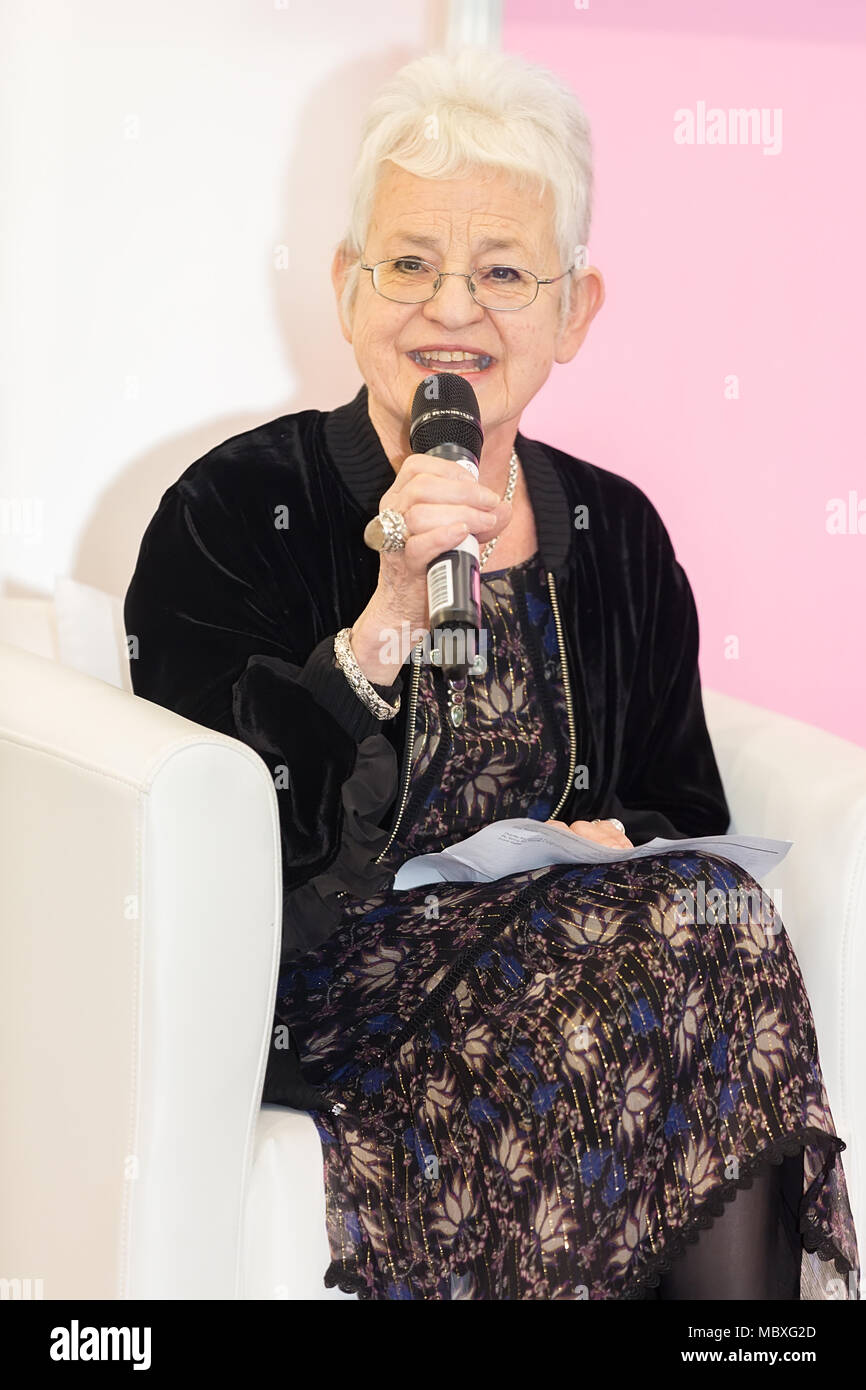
pixel 451 360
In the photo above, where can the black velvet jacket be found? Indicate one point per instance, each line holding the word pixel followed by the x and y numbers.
pixel 255 559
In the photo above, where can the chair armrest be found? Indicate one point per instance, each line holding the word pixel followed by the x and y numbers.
pixel 791 781
pixel 140 903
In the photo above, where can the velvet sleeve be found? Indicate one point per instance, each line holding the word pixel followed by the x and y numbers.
pixel 669 783
pixel 215 636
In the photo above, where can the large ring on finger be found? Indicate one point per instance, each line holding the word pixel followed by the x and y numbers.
pixel 611 820
pixel 387 531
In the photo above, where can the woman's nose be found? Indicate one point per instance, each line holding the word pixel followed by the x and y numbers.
pixel 452 304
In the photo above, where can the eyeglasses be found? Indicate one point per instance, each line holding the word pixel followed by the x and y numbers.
pixel 409 280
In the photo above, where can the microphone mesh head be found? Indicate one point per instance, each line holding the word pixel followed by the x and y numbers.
pixel 445 399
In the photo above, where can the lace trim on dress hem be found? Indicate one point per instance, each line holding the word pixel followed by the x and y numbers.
pixel 336 1277
pixel 814 1239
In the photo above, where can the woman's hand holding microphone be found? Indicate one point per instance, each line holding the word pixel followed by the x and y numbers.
pixel 441 503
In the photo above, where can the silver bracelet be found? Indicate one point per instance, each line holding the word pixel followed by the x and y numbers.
pixel 345 659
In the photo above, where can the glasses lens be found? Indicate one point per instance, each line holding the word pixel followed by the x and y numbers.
pixel 503 287
pixel 406 279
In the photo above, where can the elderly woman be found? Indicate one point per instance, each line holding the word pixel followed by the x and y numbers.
pixel 549 1086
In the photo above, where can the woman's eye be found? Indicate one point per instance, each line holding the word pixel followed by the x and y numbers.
pixel 408 265
pixel 502 274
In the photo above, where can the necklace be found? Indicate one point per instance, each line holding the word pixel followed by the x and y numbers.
pixel 507 496
pixel 457 688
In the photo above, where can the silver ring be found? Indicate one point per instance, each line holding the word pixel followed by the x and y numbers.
pixel 387 531
pixel 611 820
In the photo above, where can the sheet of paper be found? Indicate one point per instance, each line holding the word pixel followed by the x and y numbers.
pixel 512 846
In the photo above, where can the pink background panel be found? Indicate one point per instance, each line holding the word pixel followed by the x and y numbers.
pixel 722 260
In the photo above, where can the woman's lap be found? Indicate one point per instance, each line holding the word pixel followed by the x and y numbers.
pixel 609 1048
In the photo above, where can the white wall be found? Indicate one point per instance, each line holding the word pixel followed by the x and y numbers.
pixel 152 158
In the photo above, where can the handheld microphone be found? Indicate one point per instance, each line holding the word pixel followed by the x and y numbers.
pixel 446 423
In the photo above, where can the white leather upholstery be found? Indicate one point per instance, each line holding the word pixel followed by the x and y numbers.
pixel 285 1246
pixel 139 946
pixel 790 781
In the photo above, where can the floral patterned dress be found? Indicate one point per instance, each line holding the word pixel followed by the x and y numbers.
pixel 543 1087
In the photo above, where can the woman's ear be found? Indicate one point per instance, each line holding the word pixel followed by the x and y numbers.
pixel 587 297
pixel 341 267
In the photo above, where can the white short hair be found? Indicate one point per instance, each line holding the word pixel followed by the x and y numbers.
pixel 446 115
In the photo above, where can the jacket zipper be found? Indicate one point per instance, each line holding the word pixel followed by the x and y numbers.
pixel 572 738
pixel 409 746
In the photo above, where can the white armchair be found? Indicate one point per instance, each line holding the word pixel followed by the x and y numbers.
pixel 140 906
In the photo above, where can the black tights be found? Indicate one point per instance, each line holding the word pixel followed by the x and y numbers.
pixel 752 1251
